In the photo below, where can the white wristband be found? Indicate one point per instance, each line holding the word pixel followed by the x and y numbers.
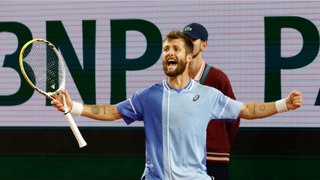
pixel 281 105
pixel 76 108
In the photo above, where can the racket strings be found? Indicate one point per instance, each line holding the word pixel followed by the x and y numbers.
pixel 42 66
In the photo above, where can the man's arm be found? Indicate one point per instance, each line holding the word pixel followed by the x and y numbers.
pixel 256 110
pixel 101 112
pixel 97 112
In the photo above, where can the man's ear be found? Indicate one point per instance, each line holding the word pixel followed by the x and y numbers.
pixel 189 57
pixel 204 45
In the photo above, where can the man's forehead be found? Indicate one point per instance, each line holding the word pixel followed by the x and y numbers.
pixel 175 42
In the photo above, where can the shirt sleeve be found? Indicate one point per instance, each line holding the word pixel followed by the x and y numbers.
pixel 223 107
pixel 131 109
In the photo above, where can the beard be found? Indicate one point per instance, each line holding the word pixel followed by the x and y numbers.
pixel 181 66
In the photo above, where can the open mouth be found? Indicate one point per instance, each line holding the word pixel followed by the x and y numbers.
pixel 171 62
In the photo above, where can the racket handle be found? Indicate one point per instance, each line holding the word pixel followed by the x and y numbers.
pixel 82 143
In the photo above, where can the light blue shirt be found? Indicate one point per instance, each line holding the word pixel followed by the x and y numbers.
pixel 175 126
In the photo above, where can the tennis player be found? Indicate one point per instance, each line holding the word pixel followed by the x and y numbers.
pixel 176 112
pixel 220 134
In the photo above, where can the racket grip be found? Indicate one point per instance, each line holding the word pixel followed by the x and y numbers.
pixel 82 143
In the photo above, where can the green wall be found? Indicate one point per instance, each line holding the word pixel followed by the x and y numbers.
pixel 275 167
pixel 41 166
pixel 117 153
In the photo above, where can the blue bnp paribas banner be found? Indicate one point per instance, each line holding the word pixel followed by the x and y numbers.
pixel 112 49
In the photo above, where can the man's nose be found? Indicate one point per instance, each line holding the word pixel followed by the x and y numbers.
pixel 171 52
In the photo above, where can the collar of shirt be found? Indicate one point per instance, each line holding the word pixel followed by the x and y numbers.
pixel 200 72
pixel 168 87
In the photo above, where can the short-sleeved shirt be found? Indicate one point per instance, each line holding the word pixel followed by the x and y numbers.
pixel 175 123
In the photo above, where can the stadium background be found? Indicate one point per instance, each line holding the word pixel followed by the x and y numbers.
pixel 36 143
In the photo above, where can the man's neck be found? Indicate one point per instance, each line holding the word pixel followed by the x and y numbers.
pixel 200 72
pixel 195 66
pixel 180 81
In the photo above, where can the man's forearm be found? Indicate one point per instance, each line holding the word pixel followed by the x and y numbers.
pixel 254 110
pixel 101 112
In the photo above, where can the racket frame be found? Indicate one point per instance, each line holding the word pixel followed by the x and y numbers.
pixel 50 95
pixel 47 94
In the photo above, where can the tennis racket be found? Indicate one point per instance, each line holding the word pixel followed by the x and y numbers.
pixel 43 68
